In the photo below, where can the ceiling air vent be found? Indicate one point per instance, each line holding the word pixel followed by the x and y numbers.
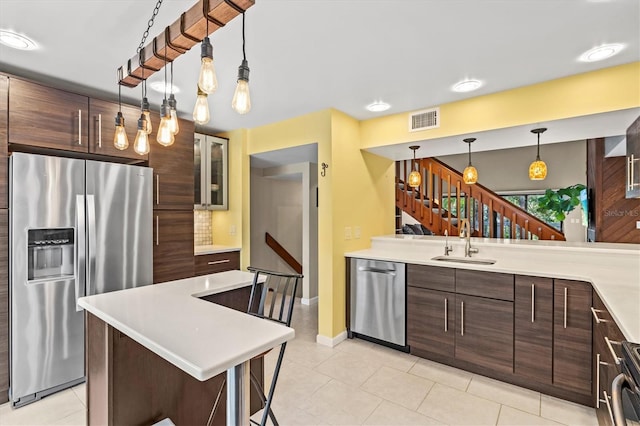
pixel 425 119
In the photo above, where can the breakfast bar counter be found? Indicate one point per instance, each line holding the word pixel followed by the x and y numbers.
pixel 165 324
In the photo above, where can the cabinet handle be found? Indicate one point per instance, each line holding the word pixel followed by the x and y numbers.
pixel 158 189
pixel 533 302
pixel 595 315
pixel 597 379
pixel 217 262
pixel 606 400
pixel 446 315
pixel 157 230
pixel 630 173
pixel 99 130
pixel 613 353
pixel 79 127
pixel 565 307
pixel 462 318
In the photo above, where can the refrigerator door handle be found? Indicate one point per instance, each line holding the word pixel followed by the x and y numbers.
pixel 91 236
pixel 80 250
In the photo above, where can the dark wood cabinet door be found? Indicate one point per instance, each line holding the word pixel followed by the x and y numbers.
pixel 48 118
pixel 430 321
pixel 4 305
pixel 572 336
pixel 484 332
pixel 533 349
pixel 431 277
pixel 484 284
pixel 4 129
pixel 102 127
pixel 173 170
pixel 172 245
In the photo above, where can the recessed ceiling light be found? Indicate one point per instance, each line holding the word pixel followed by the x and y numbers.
pixel 17 41
pixel 601 52
pixel 378 106
pixel 466 85
pixel 159 86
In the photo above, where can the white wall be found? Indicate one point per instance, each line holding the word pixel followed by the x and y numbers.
pixel 507 170
pixel 283 203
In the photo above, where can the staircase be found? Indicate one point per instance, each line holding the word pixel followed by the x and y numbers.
pixel 442 199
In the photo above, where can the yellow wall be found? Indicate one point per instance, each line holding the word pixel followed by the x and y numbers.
pixel 609 89
pixel 356 191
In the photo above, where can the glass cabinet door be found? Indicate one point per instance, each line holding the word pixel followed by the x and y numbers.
pixel 211 172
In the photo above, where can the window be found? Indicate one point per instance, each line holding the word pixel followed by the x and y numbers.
pixel 529 203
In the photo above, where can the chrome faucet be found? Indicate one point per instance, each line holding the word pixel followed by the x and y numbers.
pixel 465 232
pixel 447 248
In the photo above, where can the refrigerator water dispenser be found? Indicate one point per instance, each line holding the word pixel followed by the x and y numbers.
pixel 50 253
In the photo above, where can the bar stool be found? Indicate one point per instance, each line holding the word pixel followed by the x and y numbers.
pixel 272 297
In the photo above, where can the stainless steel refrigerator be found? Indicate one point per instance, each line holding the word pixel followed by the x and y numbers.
pixel 77 227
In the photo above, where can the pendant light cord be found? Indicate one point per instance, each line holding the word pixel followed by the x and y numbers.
pixel 538 154
pixel 165 71
pixel 469 143
pixel 171 78
pixel 119 97
pixel 244 55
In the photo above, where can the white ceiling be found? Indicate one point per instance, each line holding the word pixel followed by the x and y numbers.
pixel 308 55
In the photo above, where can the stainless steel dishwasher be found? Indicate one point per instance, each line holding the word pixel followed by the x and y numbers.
pixel 378 300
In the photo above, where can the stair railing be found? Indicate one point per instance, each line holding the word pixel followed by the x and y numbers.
pixel 282 253
pixel 443 198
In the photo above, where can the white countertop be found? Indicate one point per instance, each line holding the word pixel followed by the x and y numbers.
pixel 201 338
pixel 612 269
pixel 212 249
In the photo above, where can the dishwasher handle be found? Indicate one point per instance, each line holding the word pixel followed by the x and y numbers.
pixel 391 272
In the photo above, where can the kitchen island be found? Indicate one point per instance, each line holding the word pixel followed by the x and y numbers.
pixel 161 351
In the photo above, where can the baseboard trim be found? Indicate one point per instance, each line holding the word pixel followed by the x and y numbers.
pixel 308 302
pixel 331 341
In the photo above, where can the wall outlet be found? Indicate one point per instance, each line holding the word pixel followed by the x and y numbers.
pixel 357 232
pixel 232 230
pixel 637 224
pixel 347 232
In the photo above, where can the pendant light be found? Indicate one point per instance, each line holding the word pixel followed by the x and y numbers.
pixel 538 169
pixel 207 81
pixel 120 140
pixel 201 110
pixel 141 142
pixel 241 100
pixel 175 127
pixel 470 174
pixel 415 178
pixel 165 135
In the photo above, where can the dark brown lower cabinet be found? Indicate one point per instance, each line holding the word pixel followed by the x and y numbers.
pixel 128 384
pixel 206 264
pixel 430 321
pixel 604 357
pixel 572 337
pixel 172 245
pixel 484 332
pixel 533 328
pixel 4 306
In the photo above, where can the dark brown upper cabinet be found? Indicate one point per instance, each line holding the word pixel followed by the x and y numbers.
pixel 173 170
pixel 4 105
pixel 102 129
pixel 48 118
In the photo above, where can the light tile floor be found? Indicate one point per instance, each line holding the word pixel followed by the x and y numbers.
pixel 360 383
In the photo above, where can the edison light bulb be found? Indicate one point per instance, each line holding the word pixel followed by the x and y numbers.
pixel 175 127
pixel 201 110
pixel 141 144
pixel 120 140
pixel 241 99
pixel 207 81
pixel 165 135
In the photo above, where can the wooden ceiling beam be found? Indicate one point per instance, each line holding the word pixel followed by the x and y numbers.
pixel 187 31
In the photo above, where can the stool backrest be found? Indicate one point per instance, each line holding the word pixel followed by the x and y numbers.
pixel 273 294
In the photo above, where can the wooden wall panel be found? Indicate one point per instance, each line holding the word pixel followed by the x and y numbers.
pixel 614 215
pixel 4 129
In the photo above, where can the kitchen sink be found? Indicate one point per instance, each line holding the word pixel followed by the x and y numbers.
pixel 475 261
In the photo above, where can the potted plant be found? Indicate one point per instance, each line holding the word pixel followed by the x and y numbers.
pixel 560 202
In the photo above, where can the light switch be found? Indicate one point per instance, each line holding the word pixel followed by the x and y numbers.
pixel 347 232
pixel 356 232
pixel 637 224
pixel 232 230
